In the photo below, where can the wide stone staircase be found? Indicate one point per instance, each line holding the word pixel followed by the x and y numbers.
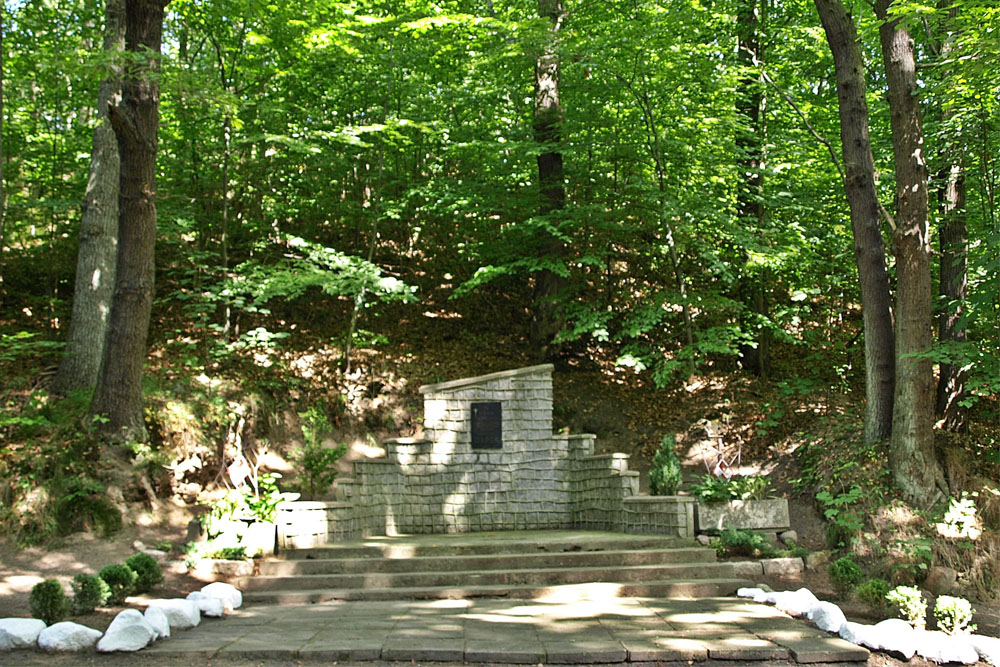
pixel 516 565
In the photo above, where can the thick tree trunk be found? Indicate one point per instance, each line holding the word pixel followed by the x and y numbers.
pixel 869 251
pixel 911 453
pixel 749 202
pixel 118 395
pixel 546 321
pixel 954 240
pixel 97 255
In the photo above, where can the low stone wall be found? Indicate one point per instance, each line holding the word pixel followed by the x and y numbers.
pixel 659 515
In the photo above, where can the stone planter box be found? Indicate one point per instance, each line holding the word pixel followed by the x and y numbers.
pixel 770 515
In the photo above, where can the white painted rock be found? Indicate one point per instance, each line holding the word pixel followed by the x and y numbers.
pixel 827 616
pixel 67 636
pixel 751 593
pixel 231 596
pixel 894 635
pixel 157 618
pixel 182 614
pixel 987 647
pixel 22 632
pixel 208 606
pixel 941 648
pixel 793 603
pixel 856 633
pixel 5 643
pixel 130 631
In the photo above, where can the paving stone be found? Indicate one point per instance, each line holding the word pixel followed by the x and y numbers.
pixel 584 652
pixel 647 649
pixel 505 652
pixel 347 649
pixel 415 651
pixel 824 649
pixel 744 647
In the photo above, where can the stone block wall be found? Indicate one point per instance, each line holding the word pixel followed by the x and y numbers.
pixel 442 484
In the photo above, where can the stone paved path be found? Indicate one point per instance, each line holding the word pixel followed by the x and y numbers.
pixel 581 629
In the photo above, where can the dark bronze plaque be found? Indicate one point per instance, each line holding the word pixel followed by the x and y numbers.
pixel 487 426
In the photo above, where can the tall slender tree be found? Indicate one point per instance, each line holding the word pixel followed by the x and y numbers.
pixel 97 254
pixel 545 321
pixel 118 395
pixel 750 203
pixel 911 452
pixel 859 183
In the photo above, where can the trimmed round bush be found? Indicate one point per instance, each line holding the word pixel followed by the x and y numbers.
pixel 120 579
pixel 48 601
pixel 665 472
pixel 845 574
pixel 89 593
pixel 148 571
pixel 873 593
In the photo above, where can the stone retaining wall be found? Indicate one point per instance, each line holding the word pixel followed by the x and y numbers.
pixel 528 478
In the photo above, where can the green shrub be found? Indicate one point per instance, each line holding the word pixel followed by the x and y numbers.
pixel 84 506
pixel 665 473
pixel 953 614
pixel 89 593
pixel 712 489
pixel 845 574
pixel 873 593
pixel 228 553
pixel 148 572
pixel 120 579
pixel 318 463
pixel 911 605
pixel 48 601
pixel 745 543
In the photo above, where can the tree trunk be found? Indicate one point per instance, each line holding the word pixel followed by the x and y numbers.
pixel 2 200
pixel 911 453
pixel 953 237
pixel 859 184
pixel 749 200
pixel 96 257
pixel 954 240
pixel 118 396
pixel 546 321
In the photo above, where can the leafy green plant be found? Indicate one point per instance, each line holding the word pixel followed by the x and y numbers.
pixel 873 592
pixel 147 570
pixel 919 554
pixel 84 506
pixel 228 553
pixel 910 603
pixel 845 522
pixel 845 574
pixel 743 543
pixel 318 463
pixel 263 505
pixel 48 601
pixel 718 489
pixel 953 614
pixel 89 592
pixel 665 472
pixel 120 580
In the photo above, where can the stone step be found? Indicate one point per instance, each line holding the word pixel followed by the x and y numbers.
pixel 542 541
pixel 505 577
pixel 680 588
pixel 485 562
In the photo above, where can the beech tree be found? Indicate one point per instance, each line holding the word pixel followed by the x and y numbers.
pixel 545 320
pixel 97 254
pixel 911 453
pixel 862 198
pixel 118 395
